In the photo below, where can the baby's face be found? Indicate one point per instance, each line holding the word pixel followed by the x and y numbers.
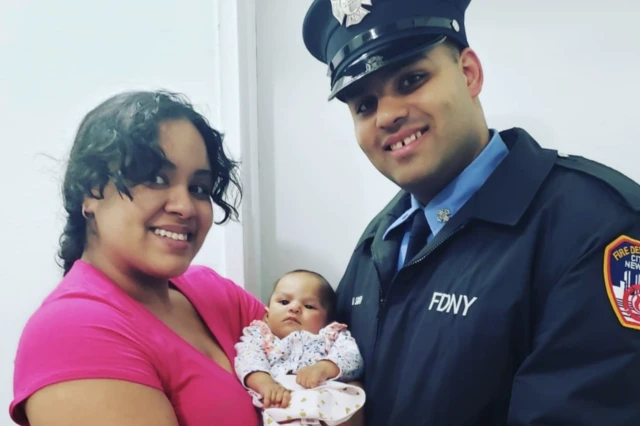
pixel 296 305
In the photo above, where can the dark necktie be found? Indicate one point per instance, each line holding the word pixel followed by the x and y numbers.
pixel 418 237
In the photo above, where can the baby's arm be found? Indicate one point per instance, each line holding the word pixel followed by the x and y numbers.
pixel 312 375
pixel 343 361
pixel 346 356
pixel 252 367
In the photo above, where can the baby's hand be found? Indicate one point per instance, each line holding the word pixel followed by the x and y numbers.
pixel 274 395
pixel 309 377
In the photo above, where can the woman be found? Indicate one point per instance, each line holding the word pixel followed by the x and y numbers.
pixel 134 335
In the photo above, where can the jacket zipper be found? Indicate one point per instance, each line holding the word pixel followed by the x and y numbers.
pixel 383 296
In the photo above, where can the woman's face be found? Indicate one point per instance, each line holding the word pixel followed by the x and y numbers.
pixel 159 231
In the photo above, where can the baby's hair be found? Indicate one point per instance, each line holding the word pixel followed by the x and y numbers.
pixel 327 294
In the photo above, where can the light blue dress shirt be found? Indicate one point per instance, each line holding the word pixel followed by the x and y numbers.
pixel 451 199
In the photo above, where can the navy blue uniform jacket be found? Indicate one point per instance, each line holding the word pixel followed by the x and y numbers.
pixel 508 315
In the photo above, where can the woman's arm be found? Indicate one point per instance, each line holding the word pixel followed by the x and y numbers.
pixel 99 402
pixel 78 357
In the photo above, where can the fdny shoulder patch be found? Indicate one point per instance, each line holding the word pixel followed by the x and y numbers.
pixel 622 279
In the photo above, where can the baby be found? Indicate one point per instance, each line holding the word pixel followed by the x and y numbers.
pixel 299 348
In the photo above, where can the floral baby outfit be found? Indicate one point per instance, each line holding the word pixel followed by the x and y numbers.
pixel 260 350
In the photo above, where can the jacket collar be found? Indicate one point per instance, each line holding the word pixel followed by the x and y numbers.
pixel 510 190
pixel 505 196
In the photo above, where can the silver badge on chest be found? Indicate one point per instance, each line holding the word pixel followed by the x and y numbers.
pixel 351 9
pixel 444 215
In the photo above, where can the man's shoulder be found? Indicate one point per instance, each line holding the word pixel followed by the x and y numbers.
pixel 573 182
pixel 588 182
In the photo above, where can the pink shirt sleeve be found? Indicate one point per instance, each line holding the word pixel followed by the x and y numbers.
pixel 89 328
pixel 77 338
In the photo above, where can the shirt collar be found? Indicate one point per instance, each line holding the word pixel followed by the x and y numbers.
pixel 457 192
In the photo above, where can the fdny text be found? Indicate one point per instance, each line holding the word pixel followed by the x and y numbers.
pixel 451 303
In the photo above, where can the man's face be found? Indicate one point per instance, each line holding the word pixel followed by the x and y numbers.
pixel 419 123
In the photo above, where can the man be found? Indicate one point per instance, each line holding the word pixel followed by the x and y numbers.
pixel 501 285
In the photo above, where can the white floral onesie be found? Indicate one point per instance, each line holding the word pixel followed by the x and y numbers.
pixel 260 350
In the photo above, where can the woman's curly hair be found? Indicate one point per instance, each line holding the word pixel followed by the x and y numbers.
pixel 118 141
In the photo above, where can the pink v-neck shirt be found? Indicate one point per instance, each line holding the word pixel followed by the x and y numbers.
pixel 88 328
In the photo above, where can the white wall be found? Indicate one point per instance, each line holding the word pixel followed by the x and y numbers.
pixel 566 72
pixel 566 75
pixel 58 60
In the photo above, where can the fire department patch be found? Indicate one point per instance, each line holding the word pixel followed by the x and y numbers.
pixel 622 279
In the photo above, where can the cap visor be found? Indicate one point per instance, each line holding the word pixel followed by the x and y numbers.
pixel 389 53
